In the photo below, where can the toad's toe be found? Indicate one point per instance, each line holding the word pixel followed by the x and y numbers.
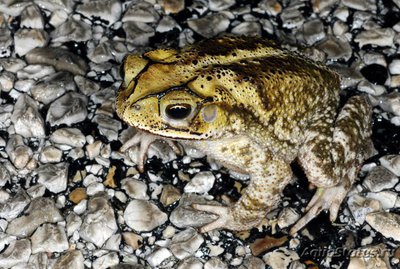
pixel 324 199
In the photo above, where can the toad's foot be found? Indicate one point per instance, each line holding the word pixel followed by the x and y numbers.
pixel 226 218
pixel 144 140
pixel 324 199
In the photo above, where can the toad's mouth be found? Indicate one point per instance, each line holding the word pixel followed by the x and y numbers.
pixel 173 133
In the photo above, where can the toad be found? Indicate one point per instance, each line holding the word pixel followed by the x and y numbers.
pixel 255 108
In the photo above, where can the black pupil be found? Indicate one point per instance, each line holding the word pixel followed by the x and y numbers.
pixel 178 111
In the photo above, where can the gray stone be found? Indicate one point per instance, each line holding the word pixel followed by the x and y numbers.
pixel 280 258
pixel 72 137
pixel 201 183
pixel 4 176
pixel 253 263
pixel 215 263
pixel 287 217
pixel 53 5
pixel 58 17
pixel 394 67
pixel 247 28
pixel 106 261
pixel 292 16
pixel 72 259
pixel 32 18
pixel 22 85
pixel 103 96
pixel 86 86
pixel 128 266
pixel 313 31
pixel 322 6
pixel 166 24
pixel 186 243
pixel 138 33
pixel 107 126
pixel 5 239
pixel 172 6
pixel 360 206
pixel 361 19
pixel 5 115
pixel 109 10
pixel 272 7
pixel 340 28
pixel 113 243
pixel 26 118
pixel 19 154
pixel 74 222
pixel 36 191
pixel 72 30
pixel 350 75
pixel 380 178
pixel 17 252
pixel 392 163
pixel 108 50
pixel 366 261
pixel 12 207
pixel 143 216
pixel 388 224
pixel 190 263
pixel 219 5
pixel 336 48
pixel 380 37
pixel 6 41
pixel 53 176
pixel 52 87
pixel 390 103
pixel 135 189
pixel 365 5
pixel 41 210
pixel 40 260
pixel 374 58
pixel 27 39
pixel 388 199
pixel 34 72
pixel 61 59
pixel 6 81
pixel 68 109
pixel 220 22
pixel 12 7
pixel 99 222
pixel 12 65
pixel 370 88
pixel 141 12
pixel 186 216
pixel 49 238
pixel 158 257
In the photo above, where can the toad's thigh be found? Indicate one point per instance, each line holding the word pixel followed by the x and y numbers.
pixel 333 152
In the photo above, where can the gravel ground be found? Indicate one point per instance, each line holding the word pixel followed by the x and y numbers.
pixel 70 199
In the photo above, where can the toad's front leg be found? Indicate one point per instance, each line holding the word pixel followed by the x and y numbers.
pixel 269 176
pixel 144 140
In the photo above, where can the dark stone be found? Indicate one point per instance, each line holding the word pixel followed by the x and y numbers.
pixel 375 73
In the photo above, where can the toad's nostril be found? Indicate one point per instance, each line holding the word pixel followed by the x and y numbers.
pixel 178 111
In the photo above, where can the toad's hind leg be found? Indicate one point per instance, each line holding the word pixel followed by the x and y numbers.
pixel 332 159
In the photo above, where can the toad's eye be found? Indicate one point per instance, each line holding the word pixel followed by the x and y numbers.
pixel 178 111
